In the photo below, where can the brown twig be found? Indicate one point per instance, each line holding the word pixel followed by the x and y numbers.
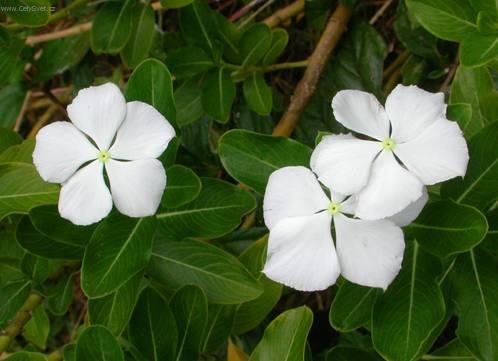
pixel 24 107
pixel 285 13
pixel 77 29
pixel 402 57
pixel 244 10
pixel 380 12
pixel 336 26
pixel 44 119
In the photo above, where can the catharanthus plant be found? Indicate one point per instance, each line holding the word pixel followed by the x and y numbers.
pixel 106 133
pixel 301 252
pixel 412 144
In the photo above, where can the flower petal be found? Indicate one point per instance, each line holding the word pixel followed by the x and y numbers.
pixel 292 192
pixel 98 112
pixel 361 112
pixel 370 252
pixel 391 189
pixel 343 162
pixel 145 133
pixel 438 154
pixel 411 110
pixel 84 198
pixel 60 150
pixel 410 213
pixel 301 253
pixel 136 186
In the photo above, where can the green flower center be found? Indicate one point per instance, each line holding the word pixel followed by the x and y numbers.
pixel 388 144
pixel 104 156
pixel 334 208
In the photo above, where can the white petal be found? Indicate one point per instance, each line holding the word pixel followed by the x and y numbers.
pixel 292 192
pixel 349 205
pixel 98 111
pixel 370 252
pixel 410 213
pixel 438 154
pixel 343 163
pixel 84 198
pixel 390 190
pixel 411 110
pixel 145 133
pixel 60 150
pixel 361 112
pixel 301 253
pixel 136 186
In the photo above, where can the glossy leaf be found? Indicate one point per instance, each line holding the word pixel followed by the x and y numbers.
pixel 26 356
pixel 258 94
pixel 12 297
pixel 27 12
pixel 219 327
pixel 61 295
pixel 479 50
pixel 220 275
pixel 280 38
pixel 454 350
pixel 188 61
pixel 285 338
pixel 96 343
pixel 142 35
pixel 216 211
pixel 255 43
pixel 251 157
pixel 120 248
pixel 153 327
pixel 348 353
pixel 37 329
pixel 173 4
pixel 402 324
pixel 8 138
pixel 198 25
pixel 189 306
pixel 183 186
pixel 188 102
pixel 218 93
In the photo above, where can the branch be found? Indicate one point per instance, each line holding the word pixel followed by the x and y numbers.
pixel 336 26
pixel 285 13
pixel 20 319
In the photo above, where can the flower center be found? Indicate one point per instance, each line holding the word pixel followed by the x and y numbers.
pixel 334 208
pixel 388 144
pixel 104 156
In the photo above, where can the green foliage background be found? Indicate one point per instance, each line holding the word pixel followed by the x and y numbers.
pixel 186 284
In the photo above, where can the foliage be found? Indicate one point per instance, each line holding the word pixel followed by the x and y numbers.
pixel 186 284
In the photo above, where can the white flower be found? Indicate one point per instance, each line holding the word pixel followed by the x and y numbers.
pixel 412 129
pixel 125 138
pixel 301 252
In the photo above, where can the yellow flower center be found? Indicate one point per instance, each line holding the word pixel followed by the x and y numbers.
pixel 334 208
pixel 388 144
pixel 104 156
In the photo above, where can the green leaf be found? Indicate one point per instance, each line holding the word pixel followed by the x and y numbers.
pixel 478 50
pixel 11 101
pixel 11 63
pixel 61 54
pixel 22 189
pixel 251 157
pixel 37 329
pixel 445 228
pixel 219 327
pixel 258 94
pixel 215 212
pixel 255 43
pixel 348 353
pixel 218 94
pixel 114 311
pixel 475 294
pixel 280 38
pixel 69 352
pixel 189 306
pixel 120 248
pixel 8 138
pixel 173 4
pixel 461 113
pixel 27 12
pixel 478 187
pixel 221 276
pixel 454 350
pixel 61 296
pixel 10 271
pixel 151 83
pixel 402 323
pixel 198 26
pixel 250 314
pixel 12 297
pixel 142 35
pixel 449 20
pixel 36 268
pixel 19 153
pixel 111 27
pixel 183 186
pixel 352 306
pixel 475 86
pixel 153 328
pixel 285 338
pixel 188 61
pixel 39 244
pixel 229 35
pixel 188 102
pixel 26 356
pixel 96 343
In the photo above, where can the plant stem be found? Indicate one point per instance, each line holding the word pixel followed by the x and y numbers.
pixel 285 13
pixel 19 321
pixel 55 356
pixel 289 65
pixel 336 26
